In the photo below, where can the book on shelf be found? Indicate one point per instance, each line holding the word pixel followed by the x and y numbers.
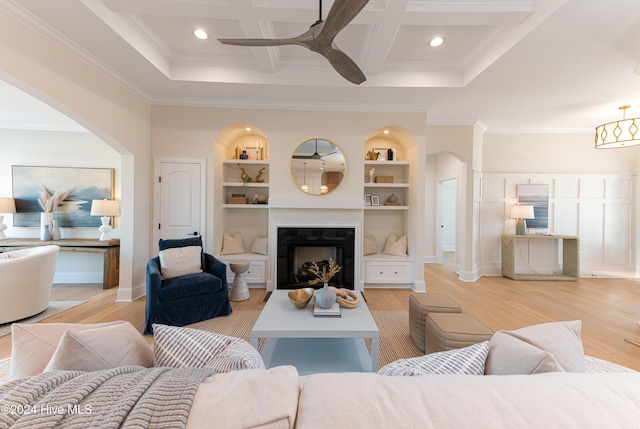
pixel 333 311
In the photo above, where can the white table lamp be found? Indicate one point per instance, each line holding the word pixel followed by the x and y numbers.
pixel 7 205
pixel 521 213
pixel 105 209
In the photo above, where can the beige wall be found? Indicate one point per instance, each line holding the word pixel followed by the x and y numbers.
pixel 555 153
pixel 106 109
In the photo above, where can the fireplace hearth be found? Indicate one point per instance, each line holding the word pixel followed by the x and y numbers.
pixel 298 247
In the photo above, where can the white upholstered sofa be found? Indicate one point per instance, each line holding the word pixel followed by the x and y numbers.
pixel 26 278
pixel 556 387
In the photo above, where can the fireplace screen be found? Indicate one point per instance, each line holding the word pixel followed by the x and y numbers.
pixel 298 248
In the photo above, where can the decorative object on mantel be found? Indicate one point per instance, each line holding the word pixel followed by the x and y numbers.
pixel 49 203
pixel 7 206
pixel 521 213
pixel 105 209
pixel 325 297
pixel 617 134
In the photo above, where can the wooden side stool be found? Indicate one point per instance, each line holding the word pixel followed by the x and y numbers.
pixel 448 331
pixel 421 304
pixel 240 289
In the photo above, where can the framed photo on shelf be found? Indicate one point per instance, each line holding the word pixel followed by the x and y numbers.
pixel 375 200
pixel 367 199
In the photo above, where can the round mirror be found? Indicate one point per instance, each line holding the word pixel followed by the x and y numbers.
pixel 317 167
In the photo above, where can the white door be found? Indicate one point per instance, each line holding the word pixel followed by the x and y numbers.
pixel 180 198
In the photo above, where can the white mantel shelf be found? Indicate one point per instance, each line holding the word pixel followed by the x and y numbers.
pixel 315 204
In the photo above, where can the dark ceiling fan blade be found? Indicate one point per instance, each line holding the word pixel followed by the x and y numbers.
pixel 260 42
pixel 344 65
pixel 342 13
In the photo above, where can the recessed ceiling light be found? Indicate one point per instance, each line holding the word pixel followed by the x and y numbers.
pixel 200 34
pixel 386 131
pixel 436 41
pixel 247 129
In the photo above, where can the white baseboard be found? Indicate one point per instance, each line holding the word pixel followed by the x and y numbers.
pixel 78 278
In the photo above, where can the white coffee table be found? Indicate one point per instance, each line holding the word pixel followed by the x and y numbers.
pixel 316 344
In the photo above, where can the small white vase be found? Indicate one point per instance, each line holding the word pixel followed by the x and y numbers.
pixel 55 230
pixel 325 297
pixel 45 226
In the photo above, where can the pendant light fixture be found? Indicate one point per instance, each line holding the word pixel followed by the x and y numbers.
pixel 617 134
pixel 304 186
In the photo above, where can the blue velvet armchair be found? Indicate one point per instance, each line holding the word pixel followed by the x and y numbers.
pixel 186 299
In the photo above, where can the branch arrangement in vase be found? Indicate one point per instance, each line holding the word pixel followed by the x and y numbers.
pixel 324 275
pixel 49 202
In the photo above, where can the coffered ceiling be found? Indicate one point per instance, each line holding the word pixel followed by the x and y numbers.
pixel 512 65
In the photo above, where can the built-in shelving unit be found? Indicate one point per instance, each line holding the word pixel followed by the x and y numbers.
pixel 235 184
pixel 380 215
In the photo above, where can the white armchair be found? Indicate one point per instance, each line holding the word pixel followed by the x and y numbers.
pixel 26 278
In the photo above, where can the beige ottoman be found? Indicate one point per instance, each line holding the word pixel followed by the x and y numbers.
pixel 448 331
pixel 421 304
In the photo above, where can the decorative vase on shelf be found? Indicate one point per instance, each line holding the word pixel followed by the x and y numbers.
pixel 55 230
pixel 45 226
pixel 325 297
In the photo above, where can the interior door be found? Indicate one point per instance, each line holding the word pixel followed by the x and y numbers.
pixel 180 199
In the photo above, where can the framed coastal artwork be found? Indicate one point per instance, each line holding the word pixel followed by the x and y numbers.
pixel 83 184
pixel 538 197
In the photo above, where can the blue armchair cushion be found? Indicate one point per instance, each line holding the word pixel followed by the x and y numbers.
pixel 183 242
pixel 189 286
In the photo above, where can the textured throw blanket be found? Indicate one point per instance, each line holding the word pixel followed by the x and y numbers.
pixel 128 397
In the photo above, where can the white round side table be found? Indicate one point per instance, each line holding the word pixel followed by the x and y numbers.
pixel 239 290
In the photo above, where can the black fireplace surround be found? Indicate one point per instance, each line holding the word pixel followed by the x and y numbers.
pixel 341 241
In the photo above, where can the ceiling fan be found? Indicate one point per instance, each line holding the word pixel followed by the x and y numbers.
pixel 319 38
pixel 315 155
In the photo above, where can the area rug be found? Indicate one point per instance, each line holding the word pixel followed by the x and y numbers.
pixel 54 308
pixel 395 342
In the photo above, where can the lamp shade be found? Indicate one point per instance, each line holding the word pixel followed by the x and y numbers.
pixel 522 212
pixel 105 208
pixel 7 205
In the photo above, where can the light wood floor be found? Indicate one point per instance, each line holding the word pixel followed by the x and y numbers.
pixel 609 308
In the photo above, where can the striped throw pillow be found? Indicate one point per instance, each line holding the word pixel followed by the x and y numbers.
pixel 179 347
pixel 468 360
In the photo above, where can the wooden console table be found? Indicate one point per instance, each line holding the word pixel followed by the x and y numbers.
pixel 570 257
pixel 110 250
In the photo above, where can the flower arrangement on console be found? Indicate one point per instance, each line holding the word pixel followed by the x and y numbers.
pixel 49 202
pixel 324 275
pixel 49 229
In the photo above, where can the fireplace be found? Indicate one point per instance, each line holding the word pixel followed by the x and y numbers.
pixel 298 247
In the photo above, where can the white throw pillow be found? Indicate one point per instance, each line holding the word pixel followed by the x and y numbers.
pixel 395 246
pixel 369 245
pixel 33 344
pixel 260 245
pixel 547 347
pixel 180 261
pixel 101 348
pixel 468 360
pixel 180 347
pixel 232 244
